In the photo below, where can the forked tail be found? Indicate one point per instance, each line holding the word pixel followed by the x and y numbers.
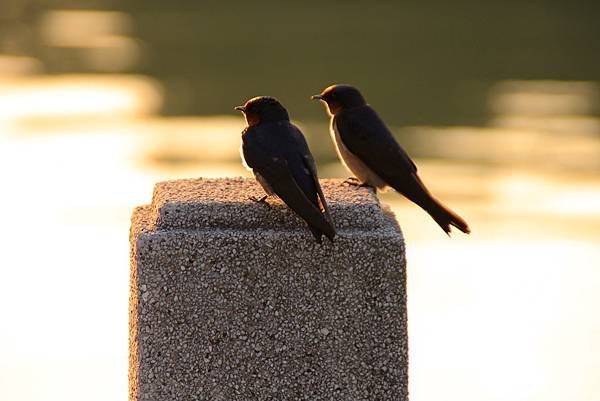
pixel 446 218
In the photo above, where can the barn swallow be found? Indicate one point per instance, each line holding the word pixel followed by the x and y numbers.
pixel 276 152
pixel 369 151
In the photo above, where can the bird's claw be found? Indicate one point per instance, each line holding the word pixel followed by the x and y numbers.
pixel 355 182
pixel 262 200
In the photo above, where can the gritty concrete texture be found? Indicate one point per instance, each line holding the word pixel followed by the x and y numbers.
pixel 233 300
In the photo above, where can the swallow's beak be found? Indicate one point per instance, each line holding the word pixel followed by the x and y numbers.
pixel 316 97
pixel 240 108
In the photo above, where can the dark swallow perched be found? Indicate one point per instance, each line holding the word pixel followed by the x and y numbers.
pixel 278 155
pixel 367 148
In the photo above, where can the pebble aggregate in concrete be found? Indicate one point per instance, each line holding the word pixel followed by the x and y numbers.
pixel 202 203
pixel 241 308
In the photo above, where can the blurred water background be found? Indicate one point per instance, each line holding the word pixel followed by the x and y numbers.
pixel 498 103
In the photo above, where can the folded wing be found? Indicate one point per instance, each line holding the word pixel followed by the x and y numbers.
pixel 280 157
pixel 367 137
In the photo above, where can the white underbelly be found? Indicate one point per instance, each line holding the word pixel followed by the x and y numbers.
pixel 353 163
pixel 246 166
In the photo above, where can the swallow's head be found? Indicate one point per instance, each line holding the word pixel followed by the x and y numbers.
pixel 340 97
pixel 263 109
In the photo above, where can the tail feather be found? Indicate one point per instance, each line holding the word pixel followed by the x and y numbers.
pixel 414 189
pixel 446 218
pixel 319 223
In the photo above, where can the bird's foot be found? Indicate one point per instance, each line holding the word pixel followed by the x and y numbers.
pixel 355 182
pixel 262 200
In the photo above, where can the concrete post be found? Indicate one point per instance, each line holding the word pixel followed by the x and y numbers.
pixel 233 300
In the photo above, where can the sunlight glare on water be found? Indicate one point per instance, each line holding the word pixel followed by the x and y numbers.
pixel 71 96
pixel 530 312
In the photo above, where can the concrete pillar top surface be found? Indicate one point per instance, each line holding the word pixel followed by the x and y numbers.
pixel 203 203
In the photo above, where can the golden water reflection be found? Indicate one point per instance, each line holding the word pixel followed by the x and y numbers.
pixel 65 98
pixel 508 313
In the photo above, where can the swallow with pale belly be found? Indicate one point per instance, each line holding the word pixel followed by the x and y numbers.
pixel 369 151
